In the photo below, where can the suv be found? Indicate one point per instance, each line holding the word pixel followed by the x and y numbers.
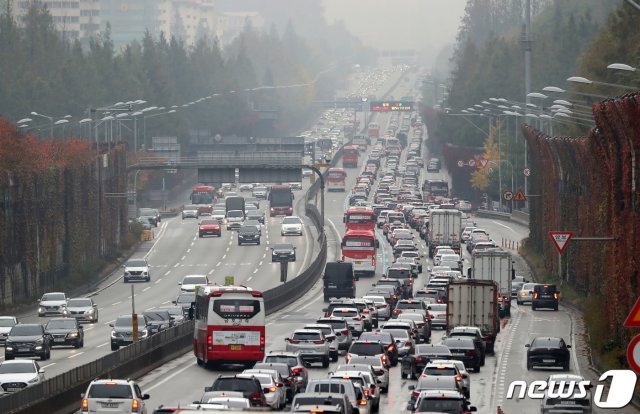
pixel 158 320
pixel 450 401
pixel 312 345
pixel 351 314
pixel 545 296
pixel 368 348
pixel 249 386
pixel 122 332
pixel 113 395
pixel 298 367
pixel 52 303
pixel 27 339
pixel 136 269
pixel 341 329
pixel 248 234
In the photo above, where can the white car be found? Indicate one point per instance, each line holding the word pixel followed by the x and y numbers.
pixel 6 323
pixel 353 318
pixel 291 225
pixel 219 214
pixel 190 282
pixel 52 303
pixel 234 219
pixel 464 374
pixel 18 374
pixel 466 233
pixel 272 385
pixel 245 187
pixel 136 269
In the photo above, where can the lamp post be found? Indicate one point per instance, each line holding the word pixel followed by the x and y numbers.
pixel 580 79
pixel 50 118
pixel 621 66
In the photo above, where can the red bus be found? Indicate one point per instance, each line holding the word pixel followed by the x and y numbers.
pixel 229 325
pixel 358 218
pixel 280 200
pixel 350 156
pixel 359 247
pixel 373 130
pixel 336 179
pixel 204 196
pixel 435 188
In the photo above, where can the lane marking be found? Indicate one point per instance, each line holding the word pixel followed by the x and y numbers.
pixel 219 263
pixel 224 256
pixel 249 278
pixel 211 271
pixel 47 366
pixel 169 377
pixel 101 345
pixel 503 225
pixel 117 303
pixel 255 271
pixel 260 264
pixel 177 264
pixel 183 257
pixel 75 355
pixel 147 288
pixel 168 271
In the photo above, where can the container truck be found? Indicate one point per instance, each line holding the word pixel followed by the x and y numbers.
pixel 444 230
pixel 495 265
pixel 474 303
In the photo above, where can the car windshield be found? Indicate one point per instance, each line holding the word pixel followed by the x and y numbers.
pixel 17 368
pixel 110 390
pixel 234 384
pixel 174 310
pixel 124 321
pixel 398 334
pixel 318 401
pixel 383 337
pixel 157 315
pixel 136 263
pixel 194 280
pixel 79 303
pixel 209 222
pixel 283 247
pixel 370 349
pixel 432 349
pixel 61 324
pixel 409 305
pixel 291 220
pixel 450 264
pixel 307 336
pixel 186 298
pixel 345 313
pixel 26 330
pixel 546 343
pixel 438 307
pixel 235 213
pixel 7 322
pixel 219 212
pixel 441 405
pixel 441 371
pixel 53 296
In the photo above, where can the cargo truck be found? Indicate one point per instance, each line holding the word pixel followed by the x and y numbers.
pixel 444 230
pixel 495 265
pixel 474 303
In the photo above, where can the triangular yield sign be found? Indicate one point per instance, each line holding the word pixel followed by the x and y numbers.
pixel 560 239
pixel 519 196
pixel 483 162
pixel 633 319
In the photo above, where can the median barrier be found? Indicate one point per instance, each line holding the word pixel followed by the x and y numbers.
pixel 494 214
pixel 520 217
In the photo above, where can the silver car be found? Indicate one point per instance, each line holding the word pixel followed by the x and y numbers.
pixel 328 332
pixel 353 318
pixel 190 211
pixel 83 309
pixel 569 403
pixel 438 314
pixel 464 374
pixel 311 344
pixel 526 293
pixel 52 303
pixel 341 329
pixel 362 363
pixel 384 310
pixel 6 323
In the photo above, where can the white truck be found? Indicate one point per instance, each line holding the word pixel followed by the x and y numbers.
pixel 444 229
pixel 361 142
pixel 474 303
pixel 495 265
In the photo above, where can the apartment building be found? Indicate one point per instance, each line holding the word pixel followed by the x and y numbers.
pixel 75 19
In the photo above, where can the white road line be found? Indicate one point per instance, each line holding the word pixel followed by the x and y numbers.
pixel 264 255
pixel 219 263
pixel 147 288
pixel 88 329
pixel 151 308
pixel 169 377
pixel 168 271
pixel 224 256
pixel 107 323
pixel 255 271
pixel 505 226
pixel 267 249
pixel 249 278
pixel 75 355
pixel 101 345
pixel 188 250
pixel 192 243
pixel 176 265
pixel 183 257
pixel 260 264
pixel 166 302
pixel 117 303
pixel 211 271
pixel 47 366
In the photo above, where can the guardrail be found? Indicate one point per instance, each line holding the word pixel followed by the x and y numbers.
pixel 516 216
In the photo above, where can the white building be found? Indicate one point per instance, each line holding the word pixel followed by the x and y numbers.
pixel 75 19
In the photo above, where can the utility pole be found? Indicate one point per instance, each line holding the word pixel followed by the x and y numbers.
pixel 527 80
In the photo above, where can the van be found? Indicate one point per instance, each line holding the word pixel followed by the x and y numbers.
pixel 339 280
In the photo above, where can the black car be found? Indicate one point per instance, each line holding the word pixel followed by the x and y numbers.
pixel 248 234
pixel 158 320
pixel 65 332
pixel 122 332
pixel 249 387
pixel 185 299
pixel 28 339
pixel 256 215
pixel 413 364
pixel 548 352
pixel 473 333
pixel 465 350
pixel 545 296
pixel 283 252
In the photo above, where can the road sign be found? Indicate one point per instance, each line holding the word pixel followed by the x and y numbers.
pixel 482 162
pixel 472 163
pixel 633 353
pixel 560 239
pixel 507 195
pixel 526 172
pixel 460 163
pixel 520 197
pixel 633 319
pixel 229 280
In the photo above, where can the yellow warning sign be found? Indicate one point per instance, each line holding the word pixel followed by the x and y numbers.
pixel 519 197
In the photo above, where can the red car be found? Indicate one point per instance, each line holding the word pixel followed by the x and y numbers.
pixel 209 227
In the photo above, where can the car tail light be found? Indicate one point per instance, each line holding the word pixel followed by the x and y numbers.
pixel 85 404
pixel 293 341
pixel 348 358
pixel 535 296
pixel 262 341
pixel 415 394
pixel 255 396
pixel 384 358
pixel 408 343
pixel 365 312
pixel 135 405
pixel 418 359
pixel 471 353
pixel 319 342
pixel 344 331
pixel 362 403
pixel 272 389
pixel 297 371
pixel 397 311
pixel 555 295
pixel 430 315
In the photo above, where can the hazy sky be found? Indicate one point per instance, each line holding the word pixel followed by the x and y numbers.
pixel 423 25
